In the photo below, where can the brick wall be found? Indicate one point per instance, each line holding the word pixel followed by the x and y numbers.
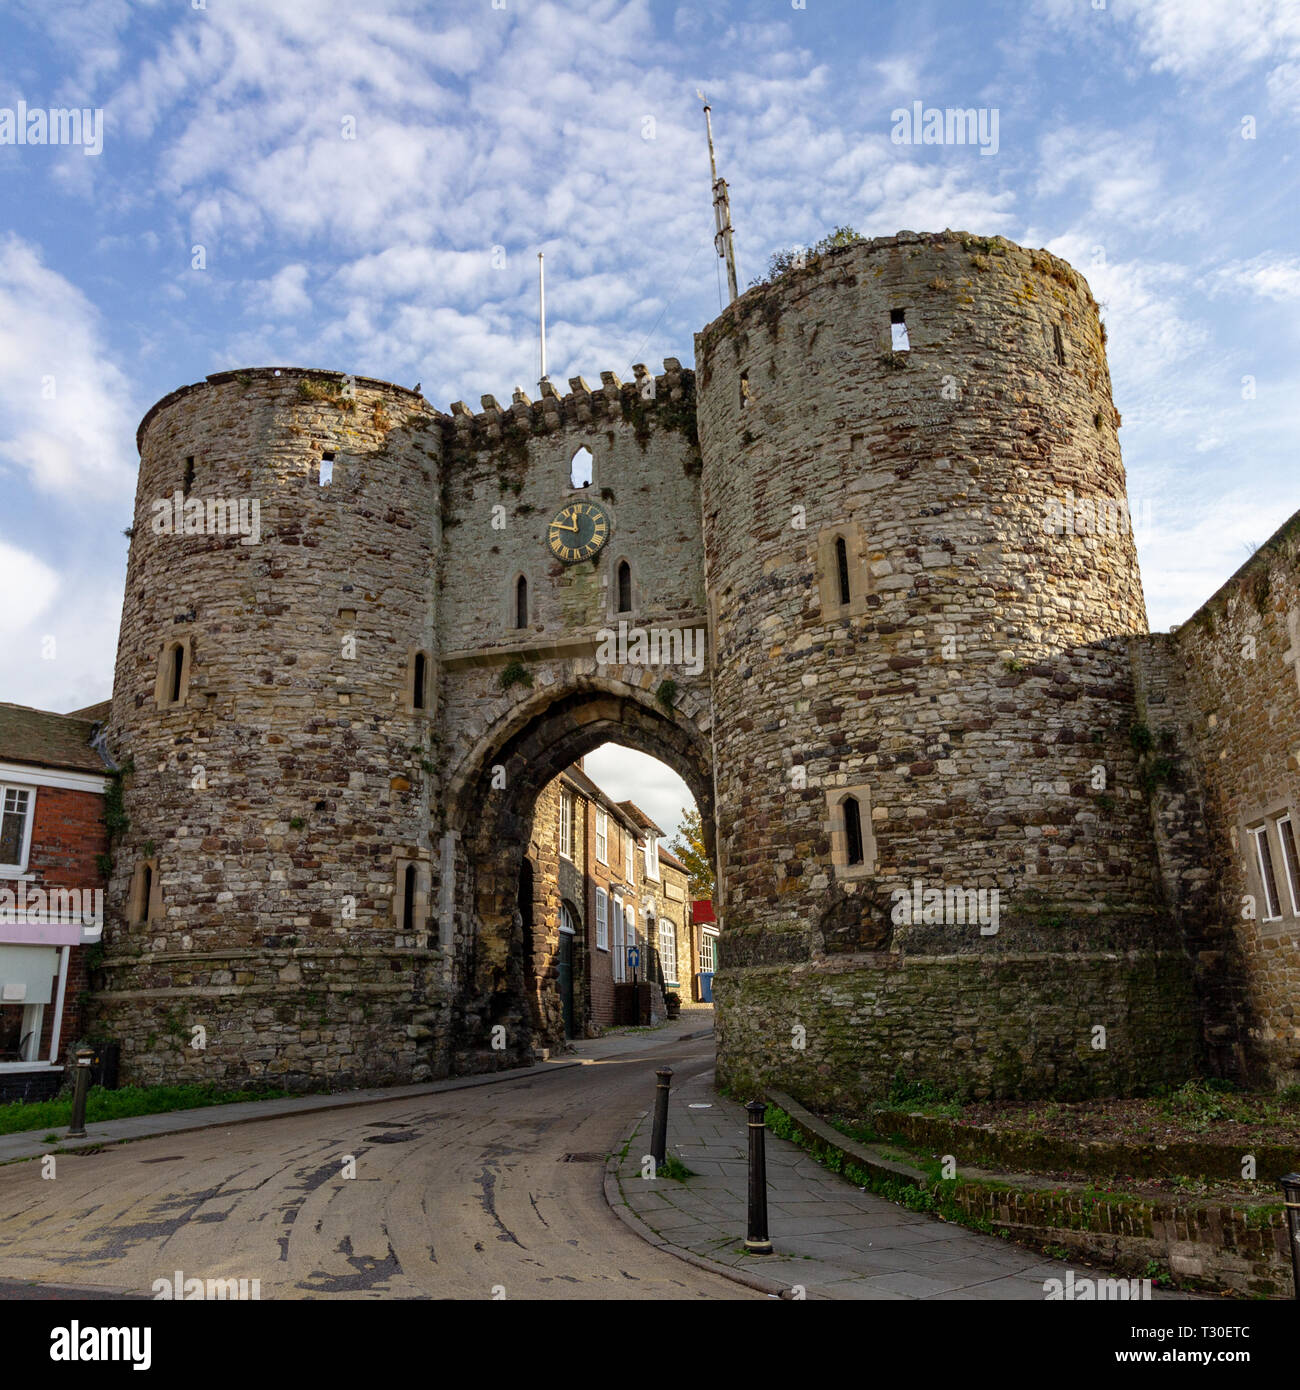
pixel 68 833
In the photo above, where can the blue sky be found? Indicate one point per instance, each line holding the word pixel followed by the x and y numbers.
pixel 574 128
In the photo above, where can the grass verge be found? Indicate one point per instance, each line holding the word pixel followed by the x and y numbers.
pixel 21 1116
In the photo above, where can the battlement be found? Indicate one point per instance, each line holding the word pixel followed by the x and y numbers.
pixel 582 404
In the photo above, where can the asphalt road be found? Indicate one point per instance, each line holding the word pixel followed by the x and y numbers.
pixel 467 1195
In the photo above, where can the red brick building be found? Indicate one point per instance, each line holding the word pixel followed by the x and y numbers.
pixel 52 785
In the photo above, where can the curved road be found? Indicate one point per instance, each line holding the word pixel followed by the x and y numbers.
pixel 464 1194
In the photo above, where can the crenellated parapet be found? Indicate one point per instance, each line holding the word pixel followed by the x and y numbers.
pixel 668 398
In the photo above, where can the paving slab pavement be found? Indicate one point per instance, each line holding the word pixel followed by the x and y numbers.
pixel 832 1240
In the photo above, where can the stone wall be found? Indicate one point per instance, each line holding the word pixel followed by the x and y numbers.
pixel 1222 709
pixel 921 598
pixel 834 1032
pixel 970 689
pixel 560 879
pixel 508 474
pixel 276 796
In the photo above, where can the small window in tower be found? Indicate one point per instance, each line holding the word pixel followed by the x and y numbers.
pixel 842 569
pixel 521 602
pixel 744 389
pixel 418 681
pixel 1058 345
pixel 408 899
pixel 189 475
pixel 624 587
pixel 852 830
pixel 898 331
pixel 177 671
pixel 144 901
pixel 580 468
pixel 326 469
pixel 171 686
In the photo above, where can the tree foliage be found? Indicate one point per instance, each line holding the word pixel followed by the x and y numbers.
pixel 688 846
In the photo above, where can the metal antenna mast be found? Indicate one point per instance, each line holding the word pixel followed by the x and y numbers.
pixel 721 208
pixel 541 294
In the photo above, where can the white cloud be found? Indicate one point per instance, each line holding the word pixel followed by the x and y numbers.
pixel 1206 38
pixel 65 406
pixel 627 775
pixel 1193 549
pixel 1148 335
pixel 60 635
pixel 1203 44
pixel 1120 176
pixel 1267 276
pixel 29 587
pixel 285 293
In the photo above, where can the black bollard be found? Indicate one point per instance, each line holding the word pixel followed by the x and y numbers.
pixel 1291 1200
pixel 659 1135
pixel 756 1242
pixel 80 1085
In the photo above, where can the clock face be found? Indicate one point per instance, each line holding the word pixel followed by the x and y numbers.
pixel 577 532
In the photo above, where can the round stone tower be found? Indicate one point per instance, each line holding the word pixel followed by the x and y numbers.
pixel 276 676
pixel 934 851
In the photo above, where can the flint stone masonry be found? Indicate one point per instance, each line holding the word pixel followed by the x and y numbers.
pixel 980 685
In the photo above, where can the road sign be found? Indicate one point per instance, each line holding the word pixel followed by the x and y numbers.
pixel 634 956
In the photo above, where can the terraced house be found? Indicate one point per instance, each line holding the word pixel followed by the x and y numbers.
pixel 53 777
pixel 603 912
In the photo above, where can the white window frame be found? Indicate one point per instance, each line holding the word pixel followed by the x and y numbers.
pixel 668 933
pixel 24 856
pixel 56 1030
pixel 652 857
pixel 1267 874
pixel 566 921
pixel 712 938
pixel 568 819
pixel 618 945
pixel 602 835
pixel 629 856
pixel 602 920
pixel 1290 865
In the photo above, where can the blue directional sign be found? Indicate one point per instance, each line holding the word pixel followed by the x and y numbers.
pixel 634 956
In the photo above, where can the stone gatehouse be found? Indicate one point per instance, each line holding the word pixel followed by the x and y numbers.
pixel 899 657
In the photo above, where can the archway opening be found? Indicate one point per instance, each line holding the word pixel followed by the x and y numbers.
pixel 566 923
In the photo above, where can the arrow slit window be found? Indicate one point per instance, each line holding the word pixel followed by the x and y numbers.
pixel 624 587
